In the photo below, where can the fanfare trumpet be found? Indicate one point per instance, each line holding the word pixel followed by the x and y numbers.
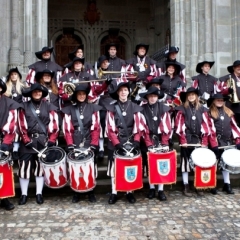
pixel 69 87
pixel 101 72
pixel 233 96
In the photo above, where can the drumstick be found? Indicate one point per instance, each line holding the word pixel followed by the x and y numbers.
pixel 40 154
pixel 128 152
pixel 226 146
pixel 5 152
pixel 190 145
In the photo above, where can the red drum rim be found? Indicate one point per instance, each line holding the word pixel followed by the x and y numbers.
pixel 57 161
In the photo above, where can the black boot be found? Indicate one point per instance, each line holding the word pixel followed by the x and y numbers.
pixel 39 199
pixel 100 155
pixel 76 198
pixel 112 199
pixel 6 204
pixel 130 198
pixel 162 196
pixel 22 200
pixel 91 197
pixel 151 193
pixel 186 191
pixel 214 191
pixel 227 188
pixel 199 192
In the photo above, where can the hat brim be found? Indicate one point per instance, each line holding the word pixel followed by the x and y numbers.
pixel 159 81
pixel 82 88
pixel 159 93
pixel 183 95
pixel 70 65
pixel 39 75
pixel 28 92
pixel 39 54
pixel 3 86
pixel 211 99
pixel 14 70
pixel 113 94
pixel 176 66
pixel 199 66
pixel 141 45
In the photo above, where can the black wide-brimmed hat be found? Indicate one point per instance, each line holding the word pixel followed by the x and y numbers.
pixel 75 60
pixel 80 87
pixel 100 60
pixel 216 96
pixel 72 54
pixel 154 80
pixel 35 86
pixel 172 49
pixel 230 68
pixel 183 95
pixel 176 66
pixel 152 90
pixel 199 66
pixel 146 46
pixel 39 75
pixel 3 86
pixel 13 70
pixel 113 93
pixel 44 49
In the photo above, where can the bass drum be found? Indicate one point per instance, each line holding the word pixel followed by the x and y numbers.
pixel 53 161
pixel 230 160
pixel 81 170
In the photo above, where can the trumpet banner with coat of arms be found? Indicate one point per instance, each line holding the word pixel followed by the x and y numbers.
pixel 162 167
pixel 205 177
pixel 128 174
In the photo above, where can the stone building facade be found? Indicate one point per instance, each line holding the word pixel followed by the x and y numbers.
pixel 203 29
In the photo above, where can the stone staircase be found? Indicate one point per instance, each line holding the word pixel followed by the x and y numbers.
pixel 104 182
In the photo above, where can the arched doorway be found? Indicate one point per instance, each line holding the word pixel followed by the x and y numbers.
pixel 118 40
pixel 66 43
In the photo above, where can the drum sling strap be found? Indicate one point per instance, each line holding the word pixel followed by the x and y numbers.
pixel 80 123
pixel 122 119
pixel 38 119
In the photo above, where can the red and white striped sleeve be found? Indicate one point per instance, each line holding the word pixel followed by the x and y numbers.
pixel 23 127
pixel 165 127
pixel 9 128
pixel 205 129
pixel 30 79
pixel 111 129
pixel 235 130
pixel 95 129
pixel 138 127
pixel 146 132
pixel 53 126
pixel 195 83
pixel 68 129
pixel 212 137
pixel 180 127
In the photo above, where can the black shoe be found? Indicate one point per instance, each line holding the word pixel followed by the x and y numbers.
pixel 227 188
pixel 15 156
pixel 199 192
pixel 76 198
pixel 112 199
pixel 39 199
pixel 130 198
pixel 162 196
pixel 91 197
pixel 6 204
pixel 101 154
pixel 22 200
pixel 151 193
pixel 214 191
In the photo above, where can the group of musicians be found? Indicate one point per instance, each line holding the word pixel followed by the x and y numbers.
pixel 134 104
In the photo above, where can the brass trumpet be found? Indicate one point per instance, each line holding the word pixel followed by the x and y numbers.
pixel 101 72
pixel 231 84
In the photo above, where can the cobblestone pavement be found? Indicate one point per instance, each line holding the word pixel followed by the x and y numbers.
pixel 208 217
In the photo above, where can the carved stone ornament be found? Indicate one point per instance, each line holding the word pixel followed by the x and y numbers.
pixel 92 14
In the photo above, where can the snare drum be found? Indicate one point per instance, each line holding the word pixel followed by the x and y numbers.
pixel 81 170
pixel 128 171
pixel 7 188
pixel 54 167
pixel 230 160
pixel 202 157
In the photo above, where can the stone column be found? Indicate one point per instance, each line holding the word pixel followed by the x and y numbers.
pixel 28 34
pixel 14 59
pixel 235 30
pixel 194 36
pixel 181 58
pixel 208 31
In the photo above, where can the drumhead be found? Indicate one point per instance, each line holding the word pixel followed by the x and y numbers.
pixel 231 157
pixel 75 156
pixel 122 154
pixel 203 157
pixel 53 155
